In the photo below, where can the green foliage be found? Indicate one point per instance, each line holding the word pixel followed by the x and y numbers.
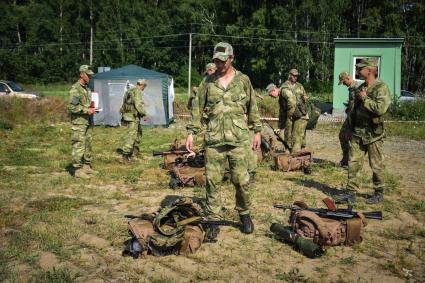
pixel 408 111
pixel 46 41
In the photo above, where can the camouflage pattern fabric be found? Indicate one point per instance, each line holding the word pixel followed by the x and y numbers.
pixel 367 126
pixel 345 128
pixel 132 110
pixel 132 107
pixel 215 158
pixel 251 155
pixel 133 138
pixel 298 135
pixel 222 111
pixel 81 124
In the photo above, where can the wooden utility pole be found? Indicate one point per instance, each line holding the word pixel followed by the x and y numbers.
pixel 190 65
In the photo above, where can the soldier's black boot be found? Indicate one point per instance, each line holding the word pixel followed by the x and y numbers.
pixel 247 224
pixel 377 196
pixel 125 158
pixel 346 196
pixel 211 233
pixel 344 162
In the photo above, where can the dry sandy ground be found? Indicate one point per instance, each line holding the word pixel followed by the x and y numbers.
pixel 384 256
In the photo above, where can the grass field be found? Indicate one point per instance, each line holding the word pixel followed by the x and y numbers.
pixel 55 228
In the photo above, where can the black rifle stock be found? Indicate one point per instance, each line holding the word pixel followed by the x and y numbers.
pixel 177 152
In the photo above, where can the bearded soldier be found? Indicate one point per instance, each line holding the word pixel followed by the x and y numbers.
pixel 82 111
pixel 227 106
pixel 367 131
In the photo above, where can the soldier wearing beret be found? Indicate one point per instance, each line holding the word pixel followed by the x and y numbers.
pixel 82 111
pixel 367 133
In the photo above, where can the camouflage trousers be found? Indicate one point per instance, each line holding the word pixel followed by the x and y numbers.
pixel 133 137
pixel 81 137
pixel 357 153
pixel 216 160
pixel 251 155
pixel 343 140
pixel 298 135
pixel 287 135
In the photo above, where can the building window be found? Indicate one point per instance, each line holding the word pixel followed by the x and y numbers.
pixel 357 59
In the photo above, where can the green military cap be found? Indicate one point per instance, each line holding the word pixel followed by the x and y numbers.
pixel 293 72
pixel 141 82
pixel 86 69
pixel 342 76
pixel 222 51
pixel 367 62
pixel 210 66
pixel 270 87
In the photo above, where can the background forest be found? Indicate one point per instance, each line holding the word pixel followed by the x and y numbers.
pixel 45 41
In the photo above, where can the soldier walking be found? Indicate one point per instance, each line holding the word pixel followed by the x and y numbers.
pixel 82 112
pixel 224 100
pixel 367 132
pixel 347 80
pixel 132 110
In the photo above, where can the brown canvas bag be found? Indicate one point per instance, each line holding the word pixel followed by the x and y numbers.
pixel 292 162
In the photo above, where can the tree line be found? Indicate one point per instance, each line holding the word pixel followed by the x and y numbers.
pixel 46 40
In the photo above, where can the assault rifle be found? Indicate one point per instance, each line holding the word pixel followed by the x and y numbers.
pixel 346 213
pixel 192 220
pixel 278 137
pixel 163 153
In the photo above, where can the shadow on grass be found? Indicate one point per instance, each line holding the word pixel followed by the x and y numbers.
pixel 324 188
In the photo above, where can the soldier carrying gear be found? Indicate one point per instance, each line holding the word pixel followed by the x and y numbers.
pixel 293 101
pixel 367 131
pixel 132 110
pixel 81 109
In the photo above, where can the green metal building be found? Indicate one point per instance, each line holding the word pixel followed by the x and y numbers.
pixel 349 51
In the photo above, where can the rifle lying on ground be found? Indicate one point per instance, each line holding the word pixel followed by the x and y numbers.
pixel 346 213
pixel 192 220
pixel 176 152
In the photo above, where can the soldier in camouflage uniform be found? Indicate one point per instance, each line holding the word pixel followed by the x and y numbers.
pixel 81 124
pixel 132 110
pixel 293 102
pixel 224 100
pixel 209 70
pixel 367 131
pixel 347 80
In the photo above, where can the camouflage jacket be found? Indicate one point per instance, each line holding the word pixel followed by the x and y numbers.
pixel 366 119
pixel 132 107
pixel 79 103
pixel 295 101
pixel 223 111
pixel 352 90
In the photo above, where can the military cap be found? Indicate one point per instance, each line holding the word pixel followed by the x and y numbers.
pixel 342 76
pixel 293 72
pixel 222 51
pixel 141 82
pixel 270 87
pixel 367 62
pixel 86 69
pixel 210 66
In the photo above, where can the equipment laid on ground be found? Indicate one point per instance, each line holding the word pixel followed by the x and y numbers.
pixel 188 172
pixel 313 229
pixel 293 162
pixel 175 229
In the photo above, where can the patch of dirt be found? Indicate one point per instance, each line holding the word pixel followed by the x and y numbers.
pixel 94 241
pixel 48 261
